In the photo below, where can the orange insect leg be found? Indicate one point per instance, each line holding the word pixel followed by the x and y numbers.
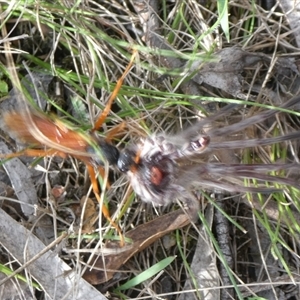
pixel 113 96
pixel 119 129
pixel 105 211
pixel 111 134
pixel 34 153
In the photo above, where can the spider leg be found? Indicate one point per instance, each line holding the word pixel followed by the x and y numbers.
pixel 113 96
pixel 230 129
pixel 105 211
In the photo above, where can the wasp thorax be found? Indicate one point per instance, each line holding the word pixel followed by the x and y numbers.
pixel 126 160
pixel 102 152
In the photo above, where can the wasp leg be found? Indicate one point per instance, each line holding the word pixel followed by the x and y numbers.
pixel 105 211
pixel 119 129
pixel 35 153
pixel 113 96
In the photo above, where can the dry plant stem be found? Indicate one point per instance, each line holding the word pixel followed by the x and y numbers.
pixel 204 265
pixel 223 237
pixel 142 236
pixel 29 262
pixel 54 276
pixel 60 135
pixel 10 63
pixel 148 14
pixel 264 286
pixel 291 11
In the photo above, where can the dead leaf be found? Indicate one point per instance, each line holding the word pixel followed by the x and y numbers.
pixel 142 236
pixel 90 214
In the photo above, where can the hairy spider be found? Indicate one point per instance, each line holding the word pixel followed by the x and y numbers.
pixel 164 168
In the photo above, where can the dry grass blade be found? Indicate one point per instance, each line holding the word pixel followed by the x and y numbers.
pixel 189 82
pixel 44 265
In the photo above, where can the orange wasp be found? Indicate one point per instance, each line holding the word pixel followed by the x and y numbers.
pixel 60 139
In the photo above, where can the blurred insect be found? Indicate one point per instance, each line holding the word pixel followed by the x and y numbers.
pixel 160 168
pixel 50 136
pixel 163 168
